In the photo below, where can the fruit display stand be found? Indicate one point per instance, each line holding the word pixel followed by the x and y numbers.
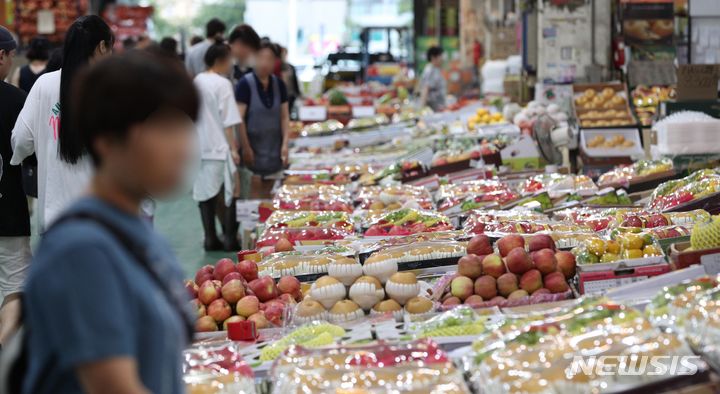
pixel 457 304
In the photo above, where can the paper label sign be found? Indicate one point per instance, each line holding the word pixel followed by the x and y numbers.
pixel 697 81
pixel 363 111
pixel 711 263
pixel 313 113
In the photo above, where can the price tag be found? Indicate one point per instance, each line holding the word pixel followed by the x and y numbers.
pixel 711 263
pixel 363 111
pixel 313 113
pixel 697 81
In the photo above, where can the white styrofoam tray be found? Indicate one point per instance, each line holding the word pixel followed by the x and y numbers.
pixel 630 134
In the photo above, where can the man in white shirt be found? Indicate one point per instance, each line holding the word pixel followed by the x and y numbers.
pixel 216 131
pixel 195 56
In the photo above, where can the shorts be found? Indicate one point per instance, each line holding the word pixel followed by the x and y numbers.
pixel 15 256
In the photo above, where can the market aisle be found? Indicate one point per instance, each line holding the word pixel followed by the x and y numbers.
pixel 179 222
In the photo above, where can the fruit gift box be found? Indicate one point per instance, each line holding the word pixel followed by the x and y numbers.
pixel 649 219
pixel 406 221
pixel 477 220
pixel 300 264
pixel 419 254
pixel 627 249
pixel 459 321
pixel 679 192
pixel 297 219
pixel 312 198
pixel 414 367
pixel 559 184
pixel 302 235
pixel 390 198
pixel 595 219
pixel 637 172
pixel 602 105
pixel 670 307
pixel 531 355
pixel 471 195
pixel 218 368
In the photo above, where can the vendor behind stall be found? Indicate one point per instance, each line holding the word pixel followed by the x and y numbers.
pixel 433 87
pixel 263 103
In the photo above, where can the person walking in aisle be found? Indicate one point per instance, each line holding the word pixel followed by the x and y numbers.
pixel 289 75
pixel 219 153
pixel 195 56
pixel 263 104
pixel 104 301
pixel 63 169
pixel 14 215
pixel 433 87
pixel 244 43
pixel 38 55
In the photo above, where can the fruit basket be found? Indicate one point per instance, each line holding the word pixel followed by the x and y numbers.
pixel 647 99
pixel 405 222
pixel 694 191
pixel 559 184
pixel 603 143
pixel 295 219
pixel 302 235
pixel 471 195
pixel 390 198
pixel 422 254
pixel 640 172
pixel 602 105
pixel 312 198
pixel 207 368
pixel 626 250
pixel 306 266
pixel 418 366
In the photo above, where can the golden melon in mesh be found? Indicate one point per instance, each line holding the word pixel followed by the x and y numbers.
pixel 706 235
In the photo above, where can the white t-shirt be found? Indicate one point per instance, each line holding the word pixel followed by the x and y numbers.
pixel 36 131
pixel 218 110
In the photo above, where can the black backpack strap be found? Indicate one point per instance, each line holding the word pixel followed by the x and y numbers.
pixel 139 255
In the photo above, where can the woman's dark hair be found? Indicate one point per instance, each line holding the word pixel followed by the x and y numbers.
pixel 169 44
pixel 124 90
pixel 39 49
pixel 246 35
pixel 195 40
pixel 55 61
pixel 81 40
pixel 434 52
pixel 267 44
pixel 214 27
pixel 215 53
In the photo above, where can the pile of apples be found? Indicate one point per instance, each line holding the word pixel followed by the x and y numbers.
pixel 229 292
pixel 515 272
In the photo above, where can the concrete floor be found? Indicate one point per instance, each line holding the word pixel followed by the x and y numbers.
pixel 179 222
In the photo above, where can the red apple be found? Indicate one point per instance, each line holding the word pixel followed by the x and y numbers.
pixel 233 291
pixel 208 292
pixel 531 281
pixel 206 324
pixel 492 265
pixel 450 301
pixel 283 245
pixel 288 285
pixel 287 299
pixel 198 307
pixel 518 261
pixel 470 266
pixel 219 310
pixel 541 241
pixel 264 288
pixel 248 269
pixel 203 274
pixel 260 320
pixel 222 268
pixel 566 263
pixel 545 261
pixel 192 288
pixel 247 306
pixel 556 283
pixel 507 284
pixel 462 287
pixel 474 301
pixel 231 319
pixel 231 276
pixel 486 287
pixel 480 245
pixel 510 242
